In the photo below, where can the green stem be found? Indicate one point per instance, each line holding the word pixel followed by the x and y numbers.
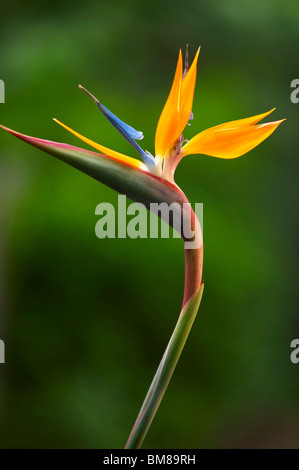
pixel 172 352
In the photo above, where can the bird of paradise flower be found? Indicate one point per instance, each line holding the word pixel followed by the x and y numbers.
pixel 152 181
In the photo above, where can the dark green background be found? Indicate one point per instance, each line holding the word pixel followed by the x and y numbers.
pixel 85 321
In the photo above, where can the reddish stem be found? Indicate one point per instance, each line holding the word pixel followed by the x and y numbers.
pixel 193 260
pixel 193 272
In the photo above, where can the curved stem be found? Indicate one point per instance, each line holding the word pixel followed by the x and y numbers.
pixel 193 272
pixel 193 260
pixel 192 297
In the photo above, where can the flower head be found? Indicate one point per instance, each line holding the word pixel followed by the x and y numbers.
pixel 228 140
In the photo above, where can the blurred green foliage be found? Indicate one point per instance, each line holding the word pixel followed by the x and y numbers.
pixel 81 317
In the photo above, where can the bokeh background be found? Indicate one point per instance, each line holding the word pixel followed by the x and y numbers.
pixel 85 321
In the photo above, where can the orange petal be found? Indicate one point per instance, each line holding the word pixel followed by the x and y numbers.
pixel 242 122
pixel 188 87
pixel 111 153
pixel 169 119
pixel 229 142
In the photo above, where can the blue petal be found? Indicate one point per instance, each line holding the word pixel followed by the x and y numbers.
pixel 128 132
pixel 121 126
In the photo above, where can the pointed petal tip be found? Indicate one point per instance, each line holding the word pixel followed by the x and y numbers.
pixel 89 94
pixel 273 123
pixel 266 113
pixel 196 56
pixel 58 122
